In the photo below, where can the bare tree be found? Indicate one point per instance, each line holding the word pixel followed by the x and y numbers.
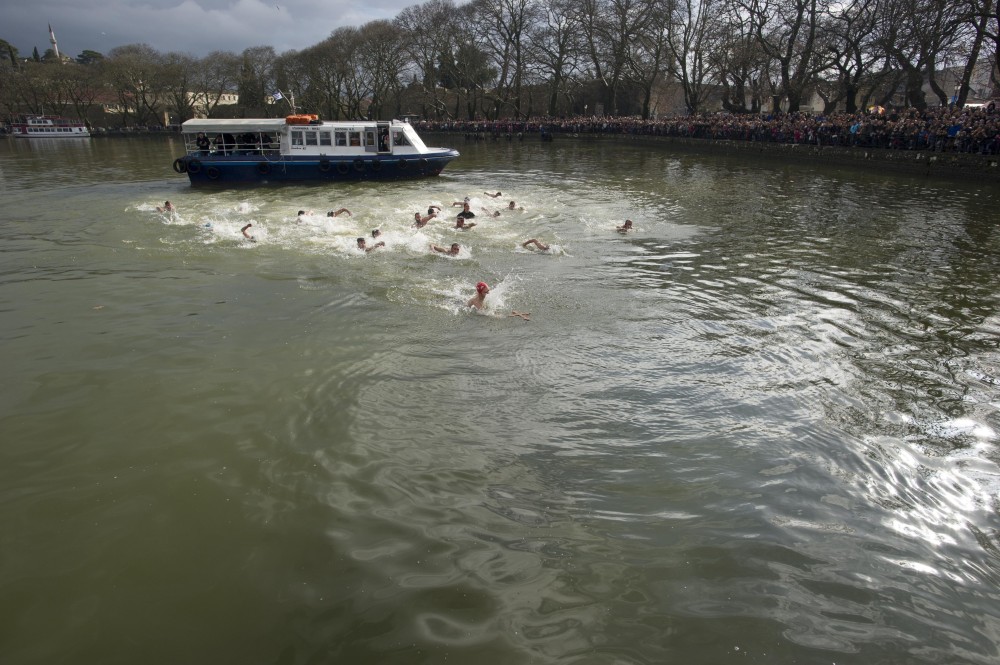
pixel 738 60
pixel 136 73
pixel 556 49
pixel 787 31
pixel 215 75
pixel 256 78
pixel 424 27
pixel 383 60
pixel 693 32
pixel 610 28
pixel 501 28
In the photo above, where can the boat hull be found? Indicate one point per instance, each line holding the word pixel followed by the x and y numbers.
pixel 213 170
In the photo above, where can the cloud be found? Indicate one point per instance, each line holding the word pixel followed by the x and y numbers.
pixel 196 27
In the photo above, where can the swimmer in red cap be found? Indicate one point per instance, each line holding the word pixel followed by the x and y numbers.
pixel 477 301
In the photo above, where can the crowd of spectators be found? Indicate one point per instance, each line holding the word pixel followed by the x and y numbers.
pixel 941 129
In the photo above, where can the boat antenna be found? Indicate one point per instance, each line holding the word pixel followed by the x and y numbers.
pixel 278 96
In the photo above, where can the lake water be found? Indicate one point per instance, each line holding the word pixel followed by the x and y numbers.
pixel 761 428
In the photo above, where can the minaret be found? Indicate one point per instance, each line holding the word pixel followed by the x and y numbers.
pixel 55 47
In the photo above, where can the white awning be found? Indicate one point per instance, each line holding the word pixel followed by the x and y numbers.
pixel 233 125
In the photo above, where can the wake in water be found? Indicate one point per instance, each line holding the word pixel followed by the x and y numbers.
pixel 408 238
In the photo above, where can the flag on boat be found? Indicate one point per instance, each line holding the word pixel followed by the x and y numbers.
pixel 278 96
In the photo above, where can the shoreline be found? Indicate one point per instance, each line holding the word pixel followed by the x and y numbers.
pixel 943 165
pixel 936 165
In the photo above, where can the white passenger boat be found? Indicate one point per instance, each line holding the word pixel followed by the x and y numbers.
pixel 301 148
pixel 48 127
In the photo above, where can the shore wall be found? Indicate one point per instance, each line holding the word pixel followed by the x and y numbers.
pixel 934 165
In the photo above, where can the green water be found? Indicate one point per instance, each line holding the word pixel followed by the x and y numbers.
pixel 761 427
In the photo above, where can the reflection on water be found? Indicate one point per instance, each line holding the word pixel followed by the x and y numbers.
pixel 762 425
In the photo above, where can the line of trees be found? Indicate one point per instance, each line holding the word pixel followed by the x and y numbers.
pixel 522 58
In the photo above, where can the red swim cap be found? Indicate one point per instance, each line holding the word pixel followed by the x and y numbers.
pixel 481 286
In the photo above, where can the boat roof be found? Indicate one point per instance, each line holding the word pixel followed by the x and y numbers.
pixel 265 124
pixel 233 124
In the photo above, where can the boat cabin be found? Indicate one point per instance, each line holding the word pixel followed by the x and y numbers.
pixel 292 137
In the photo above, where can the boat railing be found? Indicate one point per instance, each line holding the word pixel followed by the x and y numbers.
pixel 222 145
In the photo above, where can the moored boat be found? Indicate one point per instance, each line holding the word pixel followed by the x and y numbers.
pixel 48 127
pixel 302 148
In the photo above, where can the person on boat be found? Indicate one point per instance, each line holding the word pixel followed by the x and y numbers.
pixel 451 251
pixel 247 235
pixel 335 213
pixel 460 223
pixel 363 245
pixel 479 300
pixel 204 145
pixel 493 196
pixel 420 222
pixel 626 227
pixel 537 243
pixel 166 207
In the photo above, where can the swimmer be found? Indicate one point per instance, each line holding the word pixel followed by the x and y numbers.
pixel 464 202
pixel 167 207
pixel 247 235
pixel 513 206
pixel 362 245
pixel 624 228
pixel 335 213
pixel 493 196
pixel 376 233
pixel 433 210
pixel 466 213
pixel 421 222
pixel 300 214
pixel 491 213
pixel 451 251
pixel 460 223
pixel 534 241
pixel 477 301
pixel 524 315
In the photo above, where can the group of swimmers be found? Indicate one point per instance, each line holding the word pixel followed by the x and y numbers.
pixel 477 301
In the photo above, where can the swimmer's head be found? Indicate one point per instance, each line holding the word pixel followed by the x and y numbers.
pixel 301 212
pixel 482 288
pixel 455 248
pixel 361 242
pixel 376 233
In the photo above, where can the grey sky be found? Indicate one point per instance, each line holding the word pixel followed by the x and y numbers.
pixel 196 27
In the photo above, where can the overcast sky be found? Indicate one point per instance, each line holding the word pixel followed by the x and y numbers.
pixel 196 27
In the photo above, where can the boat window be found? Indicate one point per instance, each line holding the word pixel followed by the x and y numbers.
pixel 324 138
pixel 341 137
pixel 355 138
pixel 296 138
pixel 311 138
pixel 398 138
pixel 370 137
